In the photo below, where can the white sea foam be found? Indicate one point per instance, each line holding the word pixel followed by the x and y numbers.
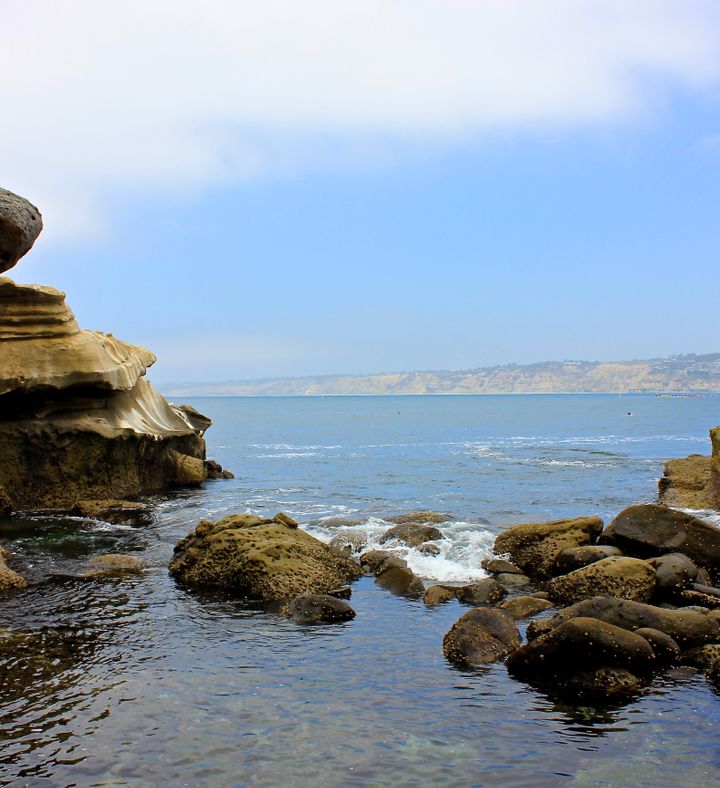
pixel 465 545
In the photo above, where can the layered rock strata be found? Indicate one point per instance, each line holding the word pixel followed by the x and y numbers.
pixel 78 419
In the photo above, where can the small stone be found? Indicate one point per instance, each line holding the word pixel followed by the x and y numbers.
pixel 318 609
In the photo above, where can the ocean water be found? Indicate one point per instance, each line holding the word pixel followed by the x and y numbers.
pixel 137 681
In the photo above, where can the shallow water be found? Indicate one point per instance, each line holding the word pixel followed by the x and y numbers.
pixel 137 681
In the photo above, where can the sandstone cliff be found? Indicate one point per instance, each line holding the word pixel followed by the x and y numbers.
pixel 78 419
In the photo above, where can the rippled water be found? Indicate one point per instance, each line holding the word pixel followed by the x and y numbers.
pixel 137 681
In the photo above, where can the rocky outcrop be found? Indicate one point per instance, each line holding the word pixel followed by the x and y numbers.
pixel 617 576
pixel 481 636
pixel 78 419
pixel 259 558
pixel 535 547
pixel 651 530
pixel 693 482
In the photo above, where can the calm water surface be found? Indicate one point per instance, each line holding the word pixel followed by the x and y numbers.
pixel 137 681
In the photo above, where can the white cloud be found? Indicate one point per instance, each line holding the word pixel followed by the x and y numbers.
pixel 101 99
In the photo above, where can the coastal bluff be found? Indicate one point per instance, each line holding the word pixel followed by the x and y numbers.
pixel 78 419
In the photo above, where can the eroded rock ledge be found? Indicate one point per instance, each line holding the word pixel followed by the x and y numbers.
pixel 78 419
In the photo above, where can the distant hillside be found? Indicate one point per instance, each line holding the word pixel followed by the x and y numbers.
pixel 677 374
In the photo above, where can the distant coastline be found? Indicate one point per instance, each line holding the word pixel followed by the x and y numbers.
pixel 686 375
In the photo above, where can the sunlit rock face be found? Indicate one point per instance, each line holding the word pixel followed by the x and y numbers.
pixel 78 419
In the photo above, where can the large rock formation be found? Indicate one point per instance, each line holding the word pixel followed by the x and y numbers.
pixel 693 482
pixel 78 420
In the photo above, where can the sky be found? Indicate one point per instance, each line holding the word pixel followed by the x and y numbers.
pixel 306 187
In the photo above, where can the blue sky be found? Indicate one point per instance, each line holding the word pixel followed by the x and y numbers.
pixel 554 197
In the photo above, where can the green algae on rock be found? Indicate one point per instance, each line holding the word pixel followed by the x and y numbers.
pixel 259 558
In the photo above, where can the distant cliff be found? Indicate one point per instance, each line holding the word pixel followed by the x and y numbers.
pixel 677 374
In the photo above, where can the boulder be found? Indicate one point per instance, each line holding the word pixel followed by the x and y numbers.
pixel 666 648
pixel 617 576
pixel 428 548
pixel 687 627
pixel 422 517
pixel 111 564
pixel 347 543
pixel 213 470
pixel 574 558
pixel 20 225
pixel 512 579
pixel 687 483
pixel 412 534
pixel 318 609
pixel 484 592
pixel 114 511
pixel 259 558
pixel 479 637
pixel 376 561
pixel 8 578
pixel 600 685
pixel 703 657
pixel 674 572
pixel 534 547
pixel 402 581
pixel 497 566
pixel 652 529
pixel 580 644
pixel 525 606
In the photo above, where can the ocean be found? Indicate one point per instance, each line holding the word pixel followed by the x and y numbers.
pixel 142 682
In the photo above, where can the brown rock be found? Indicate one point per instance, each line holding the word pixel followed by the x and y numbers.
pixel 9 578
pixel 687 627
pixel 400 580
pixel 318 609
pixel 498 565
pixel 484 592
pixel 576 557
pixel 687 483
pixel 411 534
pixel 666 648
pixel 652 529
pixel 512 579
pixel 534 547
pixel 674 571
pixel 348 542
pixel 604 685
pixel 6 505
pixel 112 564
pixel 617 576
pixel 264 560
pixel 479 637
pixel 213 470
pixel 703 657
pixel 438 595
pixel 428 548
pixel 20 225
pixel 525 606
pixel 422 518
pixel 376 561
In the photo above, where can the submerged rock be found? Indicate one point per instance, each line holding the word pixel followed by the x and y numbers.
pixel 318 609
pixel 346 544
pixel 401 580
pixel 422 517
pixel 652 530
pixel 9 578
pixel 113 511
pixel 481 636
pixel 534 547
pixel 484 592
pixel 617 576
pixel 266 559
pixel 113 564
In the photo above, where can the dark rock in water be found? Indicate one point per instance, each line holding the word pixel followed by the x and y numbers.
pixel 343 592
pixel 400 580
pixel 580 644
pixel 601 685
pixel 266 559
pixel 376 561
pixel 318 609
pixel 481 636
pixel 428 548
pixel 20 225
pixel 484 592
pixel 339 522
pixel 576 557
pixel 512 579
pixel 666 648
pixel 213 470
pixel 687 627
pixel 112 564
pixel 617 576
pixel 652 530
pixel 534 547
pixel 498 565
pixel 9 578
pixel 675 572
pixel 422 518
pixel 525 606
pixel 6 505
pixel 703 657
pixel 411 534
pixel 113 511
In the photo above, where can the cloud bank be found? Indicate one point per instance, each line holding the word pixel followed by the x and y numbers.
pixel 102 101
